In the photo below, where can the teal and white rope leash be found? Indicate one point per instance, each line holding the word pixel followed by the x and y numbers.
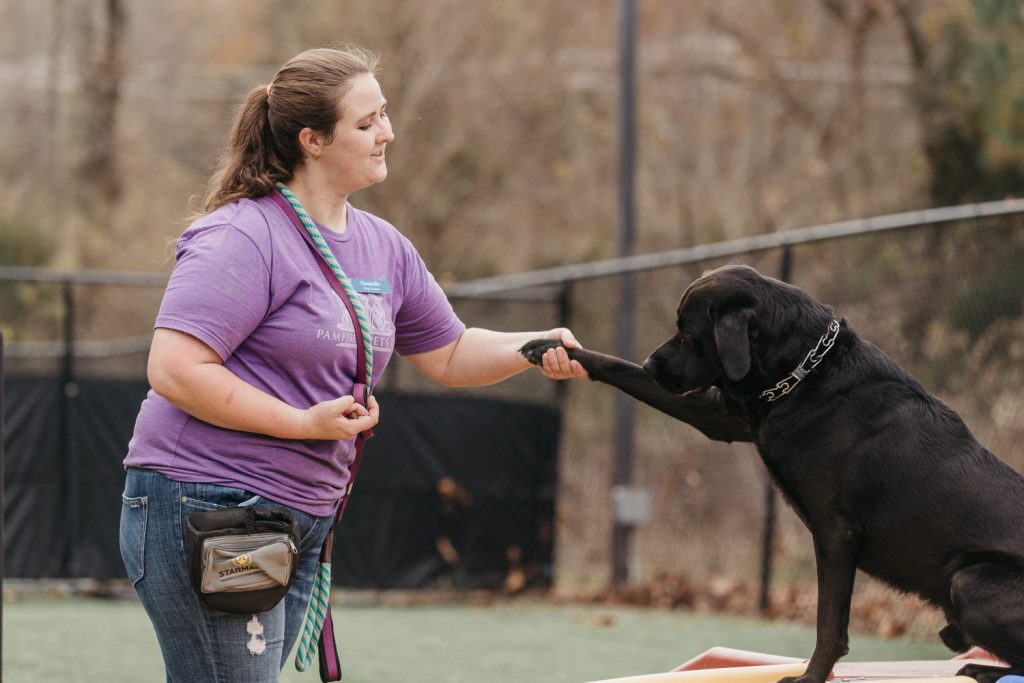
pixel 318 602
pixel 315 617
pixel 325 251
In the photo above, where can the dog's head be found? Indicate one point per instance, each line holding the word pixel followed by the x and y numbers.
pixel 736 327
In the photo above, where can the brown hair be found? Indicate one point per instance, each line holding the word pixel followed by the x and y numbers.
pixel 263 147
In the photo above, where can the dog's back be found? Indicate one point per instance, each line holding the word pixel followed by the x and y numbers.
pixel 926 497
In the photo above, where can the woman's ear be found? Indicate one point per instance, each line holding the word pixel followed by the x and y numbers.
pixel 733 343
pixel 311 141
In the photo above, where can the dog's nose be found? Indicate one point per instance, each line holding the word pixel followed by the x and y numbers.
pixel 650 366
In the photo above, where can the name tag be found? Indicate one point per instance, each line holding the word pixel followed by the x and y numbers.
pixel 372 286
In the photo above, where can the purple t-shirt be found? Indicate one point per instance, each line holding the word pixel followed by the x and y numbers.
pixel 247 285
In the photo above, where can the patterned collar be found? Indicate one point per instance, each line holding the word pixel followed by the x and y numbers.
pixel 815 356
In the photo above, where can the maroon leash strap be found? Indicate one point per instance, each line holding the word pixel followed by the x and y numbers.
pixel 330 663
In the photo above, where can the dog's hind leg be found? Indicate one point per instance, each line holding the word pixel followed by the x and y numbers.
pixel 988 603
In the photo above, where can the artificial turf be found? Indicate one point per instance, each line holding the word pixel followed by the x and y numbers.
pixel 104 640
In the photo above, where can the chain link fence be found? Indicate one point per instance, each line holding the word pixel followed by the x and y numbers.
pixel 942 293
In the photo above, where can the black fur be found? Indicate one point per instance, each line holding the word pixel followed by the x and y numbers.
pixel 886 477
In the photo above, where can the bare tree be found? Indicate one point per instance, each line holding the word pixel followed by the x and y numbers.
pixel 835 124
pixel 97 32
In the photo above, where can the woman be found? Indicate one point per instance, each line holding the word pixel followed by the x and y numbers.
pixel 253 357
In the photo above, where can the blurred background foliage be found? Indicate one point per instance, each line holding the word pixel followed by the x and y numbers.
pixel 754 115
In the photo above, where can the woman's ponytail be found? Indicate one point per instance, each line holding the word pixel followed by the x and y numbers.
pixel 248 167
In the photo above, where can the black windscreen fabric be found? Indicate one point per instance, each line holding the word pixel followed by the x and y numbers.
pixel 33 538
pixel 452 490
pixel 476 475
pixel 99 426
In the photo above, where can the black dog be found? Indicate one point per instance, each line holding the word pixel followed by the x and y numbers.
pixel 886 477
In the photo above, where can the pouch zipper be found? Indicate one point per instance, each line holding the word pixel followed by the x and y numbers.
pixel 227 543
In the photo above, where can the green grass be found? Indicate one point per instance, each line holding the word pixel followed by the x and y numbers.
pixel 81 639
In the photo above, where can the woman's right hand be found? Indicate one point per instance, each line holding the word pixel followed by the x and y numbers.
pixel 340 418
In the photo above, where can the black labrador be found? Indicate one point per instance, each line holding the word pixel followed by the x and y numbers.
pixel 886 477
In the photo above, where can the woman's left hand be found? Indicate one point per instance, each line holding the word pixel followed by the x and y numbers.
pixel 556 362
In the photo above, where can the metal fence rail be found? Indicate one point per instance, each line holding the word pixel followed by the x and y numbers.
pixel 745 245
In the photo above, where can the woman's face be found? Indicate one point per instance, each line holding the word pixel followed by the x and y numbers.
pixel 355 157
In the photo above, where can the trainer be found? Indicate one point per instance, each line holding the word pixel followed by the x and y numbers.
pixel 254 356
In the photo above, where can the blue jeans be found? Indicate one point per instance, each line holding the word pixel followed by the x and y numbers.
pixel 198 643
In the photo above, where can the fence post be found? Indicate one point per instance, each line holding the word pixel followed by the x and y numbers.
pixel 770 497
pixel 625 408
pixel 68 390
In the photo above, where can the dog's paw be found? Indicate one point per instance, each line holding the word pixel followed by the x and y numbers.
pixel 986 674
pixel 534 350
pixel 799 679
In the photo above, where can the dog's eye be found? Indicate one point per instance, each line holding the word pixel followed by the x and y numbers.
pixel 690 341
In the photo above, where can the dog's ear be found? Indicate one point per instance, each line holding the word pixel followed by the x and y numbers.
pixel 733 343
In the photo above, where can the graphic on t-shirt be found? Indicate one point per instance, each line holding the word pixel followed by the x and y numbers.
pixel 380 321
pixel 381 326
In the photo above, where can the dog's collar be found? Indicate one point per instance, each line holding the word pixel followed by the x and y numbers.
pixel 815 356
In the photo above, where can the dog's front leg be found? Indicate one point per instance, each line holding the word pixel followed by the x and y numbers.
pixel 703 411
pixel 835 555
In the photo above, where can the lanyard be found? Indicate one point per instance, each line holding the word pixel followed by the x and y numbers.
pixel 320 244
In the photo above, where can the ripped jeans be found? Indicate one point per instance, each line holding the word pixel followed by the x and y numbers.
pixel 200 644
